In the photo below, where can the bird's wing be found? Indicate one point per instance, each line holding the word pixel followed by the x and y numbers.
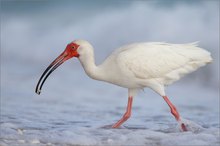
pixel 156 60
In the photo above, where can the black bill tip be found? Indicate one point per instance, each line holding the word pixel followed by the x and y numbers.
pixel 38 92
pixel 56 63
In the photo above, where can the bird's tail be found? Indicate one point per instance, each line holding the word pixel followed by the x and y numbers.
pixel 198 54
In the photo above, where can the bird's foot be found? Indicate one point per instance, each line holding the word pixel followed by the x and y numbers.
pixel 187 125
pixel 115 126
pixel 183 127
pixel 111 126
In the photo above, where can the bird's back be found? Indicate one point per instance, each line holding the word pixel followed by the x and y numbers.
pixel 162 61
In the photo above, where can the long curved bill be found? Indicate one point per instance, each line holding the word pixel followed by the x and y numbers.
pixel 56 63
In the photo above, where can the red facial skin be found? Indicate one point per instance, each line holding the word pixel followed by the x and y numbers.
pixel 71 51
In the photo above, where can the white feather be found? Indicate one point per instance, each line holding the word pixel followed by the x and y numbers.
pixel 151 65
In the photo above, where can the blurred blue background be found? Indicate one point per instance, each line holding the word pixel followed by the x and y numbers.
pixel 33 33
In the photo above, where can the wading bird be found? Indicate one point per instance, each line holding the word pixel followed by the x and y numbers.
pixel 135 67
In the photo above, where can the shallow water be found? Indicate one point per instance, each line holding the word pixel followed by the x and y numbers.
pixel 83 114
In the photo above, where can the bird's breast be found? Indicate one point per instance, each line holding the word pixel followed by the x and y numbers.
pixel 117 75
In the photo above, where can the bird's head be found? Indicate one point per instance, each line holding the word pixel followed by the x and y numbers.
pixel 77 48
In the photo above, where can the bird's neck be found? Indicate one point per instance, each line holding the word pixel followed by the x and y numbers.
pixel 93 71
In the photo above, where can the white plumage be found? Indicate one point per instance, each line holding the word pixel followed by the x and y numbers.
pixel 140 65
pixel 137 66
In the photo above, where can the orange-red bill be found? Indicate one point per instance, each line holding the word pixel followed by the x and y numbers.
pixel 56 63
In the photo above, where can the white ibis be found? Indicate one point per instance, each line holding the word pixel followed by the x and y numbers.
pixel 135 67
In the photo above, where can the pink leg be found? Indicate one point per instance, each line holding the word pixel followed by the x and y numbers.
pixel 126 115
pixel 174 112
